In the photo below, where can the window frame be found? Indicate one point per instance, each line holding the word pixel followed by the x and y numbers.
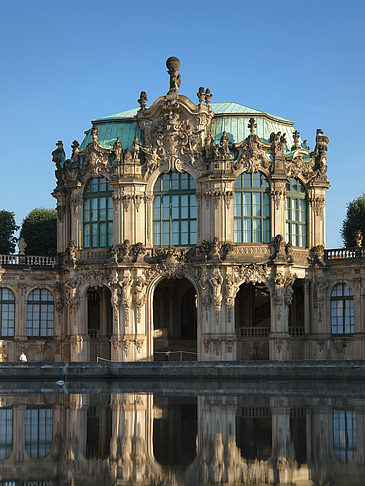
pixel 296 224
pixel 6 437
pixel 170 217
pixel 247 223
pixel 7 307
pixel 40 307
pixel 347 310
pixel 344 435
pixel 101 196
pixel 31 425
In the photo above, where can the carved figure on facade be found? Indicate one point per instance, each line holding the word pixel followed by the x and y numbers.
pixel 278 144
pixel 58 293
pixel 279 248
pixel 252 152
pixel 114 254
pixel 173 64
pixel 72 254
pixel 118 150
pixel 77 344
pixel 137 251
pixel 253 273
pixel 139 295
pixel 225 145
pixel 317 255
pixel 216 283
pixel 22 246
pixel 58 155
pixel 72 294
pixel 231 288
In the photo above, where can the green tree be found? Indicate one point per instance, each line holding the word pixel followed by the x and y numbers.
pixel 354 220
pixel 7 230
pixel 39 230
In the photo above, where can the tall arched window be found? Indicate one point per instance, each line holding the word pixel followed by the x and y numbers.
pixel 252 209
pixel 7 313
pixel 296 214
pixel 38 430
pixel 40 313
pixel 344 435
pixel 98 214
pixel 174 210
pixel 342 310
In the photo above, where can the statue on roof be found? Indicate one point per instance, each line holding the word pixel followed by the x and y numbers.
pixel 173 64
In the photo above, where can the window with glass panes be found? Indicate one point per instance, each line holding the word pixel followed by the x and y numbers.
pixel 6 432
pixel 174 210
pixel 342 310
pixel 252 209
pixel 98 214
pixel 7 313
pixel 296 214
pixel 344 435
pixel 40 313
pixel 38 430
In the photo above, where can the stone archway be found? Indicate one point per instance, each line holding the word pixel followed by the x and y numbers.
pixel 175 320
pixel 99 322
pixel 253 321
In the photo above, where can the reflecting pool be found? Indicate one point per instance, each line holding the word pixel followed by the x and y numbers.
pixel 67 435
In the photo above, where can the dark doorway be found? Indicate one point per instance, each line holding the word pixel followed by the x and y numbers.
pixel 100 322
pixel 175 320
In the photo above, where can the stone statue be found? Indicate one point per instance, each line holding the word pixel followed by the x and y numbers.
pixel 94 133
pixel 216 282
pixel 358 238
pixel 114 254
pixel 200 94
pixel 230 290
pixel 173 64
pixel 118 150
pixel 126 285
pixel 126 248
pixel 72 250
pixel 135 149
pixel 142 101
pixel 58 155
pixel 75 146
pixel 225 144
pixel 22 246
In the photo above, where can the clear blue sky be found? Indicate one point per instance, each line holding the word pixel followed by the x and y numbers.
pixel 66 63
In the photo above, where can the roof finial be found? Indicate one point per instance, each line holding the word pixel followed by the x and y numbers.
pixel 173 64
pixel 252 125
pixel 142 100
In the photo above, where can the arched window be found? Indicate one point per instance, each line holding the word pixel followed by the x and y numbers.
pixel 38 429
pixel 6 432
pixel 344 435
pixel 7 312
pixel 252 209
pixel 40 313
pixel 296 214
pixel 342 310
pixel 174 210
pixel 98 214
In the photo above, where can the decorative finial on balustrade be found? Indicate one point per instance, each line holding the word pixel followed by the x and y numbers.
pixel 358 238
pixel 21 246
pixel 296 138
pixel 201 95
pixel 208 96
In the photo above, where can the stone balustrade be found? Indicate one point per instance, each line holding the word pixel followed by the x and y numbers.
pixel 344 253
pixel 253 332
pixel 28 260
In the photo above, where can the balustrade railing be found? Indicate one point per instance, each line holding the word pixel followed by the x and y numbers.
pixel 296 331
pixel 344 253
pixel 28 260
pixel 253 331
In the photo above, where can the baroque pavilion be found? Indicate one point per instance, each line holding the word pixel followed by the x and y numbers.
pixel 189 227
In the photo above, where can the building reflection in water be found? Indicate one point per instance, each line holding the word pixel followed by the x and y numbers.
pixel 136 438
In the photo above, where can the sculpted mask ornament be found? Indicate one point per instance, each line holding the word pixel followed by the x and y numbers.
pixel 254 273
pixel 139 295
pixel 230 290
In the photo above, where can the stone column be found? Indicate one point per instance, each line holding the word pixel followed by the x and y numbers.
pixel 76 203
pixel 316 216
pixel 18 449
pixel 281 298
pixel 117 216
pixel 278 206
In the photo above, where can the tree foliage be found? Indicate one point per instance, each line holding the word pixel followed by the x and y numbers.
pixel 7 230
pixel 39 230
pixel 354 220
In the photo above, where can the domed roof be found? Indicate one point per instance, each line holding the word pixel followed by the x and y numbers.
pixel 229 117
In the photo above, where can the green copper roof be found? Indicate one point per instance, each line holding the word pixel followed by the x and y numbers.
pixel 230 117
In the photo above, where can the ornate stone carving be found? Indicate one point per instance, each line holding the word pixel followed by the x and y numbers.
pixel 22 246
pixel 137 251
pixel 278 195
pixel 230 290
pixel 138 342
pixel 317 255
pixel 173 64
pixel 114 254
pixel 278 144
pixel 216 282
pixel 358 238
pixel 118 150
pixel 253 273
pixel 215 250
pixel 58 292
pixel 296 139
pixel 225 145
pixel 317 203
pixel 252 152
pixel 340 347
pixel 72 295
pixel 77 344
pixel 139 295
pixel 71 253
pixel 142 101
pixel 58 155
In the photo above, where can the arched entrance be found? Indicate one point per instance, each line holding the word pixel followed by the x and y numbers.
pixel 99 322
pixel 175 320
pixel 252 317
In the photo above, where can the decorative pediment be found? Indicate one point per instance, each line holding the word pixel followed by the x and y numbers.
pixel 95 160
pixel 175 132
pixel 252 152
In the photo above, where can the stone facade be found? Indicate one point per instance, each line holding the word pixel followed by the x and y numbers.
pixel 265 299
